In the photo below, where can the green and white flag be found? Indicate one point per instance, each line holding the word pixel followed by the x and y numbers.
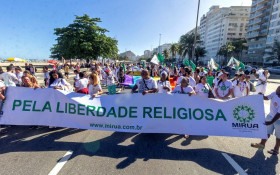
pixel 160 58
pixel 236 63
pixel 212 65
pixel 155 60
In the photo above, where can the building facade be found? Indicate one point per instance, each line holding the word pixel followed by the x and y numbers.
pixel 274 29
pixel 259 22
pixel 222 25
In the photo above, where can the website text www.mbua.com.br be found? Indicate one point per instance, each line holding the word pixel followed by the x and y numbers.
pixel 120 127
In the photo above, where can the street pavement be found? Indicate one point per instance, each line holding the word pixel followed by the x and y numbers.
pixel 68 151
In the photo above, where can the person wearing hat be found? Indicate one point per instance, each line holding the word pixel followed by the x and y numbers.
pixel 146 84
pixel 240 86
pixel 223 89
pixel 163 84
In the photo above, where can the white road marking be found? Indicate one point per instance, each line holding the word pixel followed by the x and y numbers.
pixel 61 163
pixel 234 164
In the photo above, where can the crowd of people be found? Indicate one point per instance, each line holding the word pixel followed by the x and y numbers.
pixel 201 81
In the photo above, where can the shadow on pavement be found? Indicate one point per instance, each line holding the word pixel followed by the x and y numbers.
pixel 144 147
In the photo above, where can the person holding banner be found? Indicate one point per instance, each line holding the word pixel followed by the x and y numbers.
pixel 94 87
pixel 26 82
pixel 82 84
pixel 58 82
pixel 146 84
pixel 223 88
pixel 184 88
pixel 163 84
pixel 272 122
pixel 202 88
pixel 240 86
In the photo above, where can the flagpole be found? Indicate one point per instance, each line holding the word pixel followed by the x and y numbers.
pixel 195 34
pixel 159 43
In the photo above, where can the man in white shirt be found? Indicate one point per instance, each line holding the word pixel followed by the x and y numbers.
pixel 9 78
pixel 272 122
pixel 145 84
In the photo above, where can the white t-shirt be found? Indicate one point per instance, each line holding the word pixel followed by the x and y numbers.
pixel 9 79
pixel 150 83
pixel 239 88
pixel 192 82
pixel 81 83
pixel 161 84
pixel 19 75
pixel 202 90
pixel 110 79
pixel 185 90
pixel 223 88
pixel 274 104
pixel 60 82
pixel 94 89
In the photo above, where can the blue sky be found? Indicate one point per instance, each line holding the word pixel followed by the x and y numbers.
pixel 26 26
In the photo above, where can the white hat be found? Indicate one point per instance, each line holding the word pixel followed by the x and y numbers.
pixel 220 74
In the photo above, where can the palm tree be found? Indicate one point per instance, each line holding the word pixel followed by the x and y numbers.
pixel 240 45
pixel 187 43
pixel 166 54
pixel 199 52
pixel 174 49
pixel 226 50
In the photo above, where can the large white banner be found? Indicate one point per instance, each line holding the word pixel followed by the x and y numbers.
pixel 152 113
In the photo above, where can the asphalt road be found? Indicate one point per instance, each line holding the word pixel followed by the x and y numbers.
pixel 41 151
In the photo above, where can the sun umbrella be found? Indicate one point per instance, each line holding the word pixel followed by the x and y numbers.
pixel 15 59
pixel 52 61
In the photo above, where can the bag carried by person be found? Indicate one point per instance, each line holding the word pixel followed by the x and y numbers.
pixel 210 93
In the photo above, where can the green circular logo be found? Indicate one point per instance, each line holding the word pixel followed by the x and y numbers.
pixel 244 114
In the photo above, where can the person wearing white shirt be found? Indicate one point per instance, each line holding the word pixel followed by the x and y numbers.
pixel 19 74
pixel 94 88
pixel 184 88
pixel 223 89
pixel 262 82
pixel 240 86
pixel 202 88
pixel 145 84
pixel 58 82
pixel 163 84
pixel 82 84
pixel 9 78
pixel 192 82
pixel 272 122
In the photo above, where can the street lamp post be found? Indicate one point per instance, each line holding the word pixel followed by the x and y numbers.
pixel 195 34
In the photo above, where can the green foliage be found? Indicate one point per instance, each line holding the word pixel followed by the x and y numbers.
pixel 174 49
pixel 226 50
pixel 84 39
pixel 199 52
pixel 186 43
pixel 165 54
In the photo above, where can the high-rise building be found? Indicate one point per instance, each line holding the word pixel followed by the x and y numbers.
pixel 274 29
pixel 221 25
pixel 258 29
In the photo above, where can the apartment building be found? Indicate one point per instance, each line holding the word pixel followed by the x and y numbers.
pixel 258 29
pixel 221 25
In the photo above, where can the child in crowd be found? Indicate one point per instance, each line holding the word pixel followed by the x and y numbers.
pixel 94 87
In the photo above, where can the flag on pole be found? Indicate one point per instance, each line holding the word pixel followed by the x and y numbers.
pixel 193 66
pixel 212 64
pixel 186 62
pixel 155 60
pixel 160 58
pixel 234 62
pixel 123 66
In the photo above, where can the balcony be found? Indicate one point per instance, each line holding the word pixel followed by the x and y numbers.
pixel 260 7
pixel 253 35
pixel 259 14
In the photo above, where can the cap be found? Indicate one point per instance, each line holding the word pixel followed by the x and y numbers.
pixel 220 74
